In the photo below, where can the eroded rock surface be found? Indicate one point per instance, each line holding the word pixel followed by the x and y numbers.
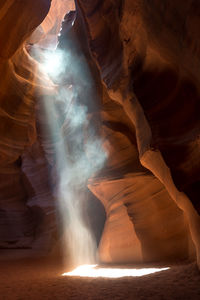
pixel 156 48
pixel 144 61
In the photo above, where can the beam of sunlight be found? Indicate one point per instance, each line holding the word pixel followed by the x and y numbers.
pixel 97 271
pixel 53 63
pixel 76 147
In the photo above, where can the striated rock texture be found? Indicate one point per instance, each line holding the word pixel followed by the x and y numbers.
pixel 18 19
pixel 150 74
pixel 144 60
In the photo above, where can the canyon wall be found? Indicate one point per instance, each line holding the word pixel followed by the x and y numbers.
pixel 144 104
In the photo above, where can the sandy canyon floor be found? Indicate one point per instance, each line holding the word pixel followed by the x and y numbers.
pixel 26 279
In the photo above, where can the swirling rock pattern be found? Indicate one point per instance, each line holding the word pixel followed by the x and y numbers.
pixel 144 58
pixel 18 84
pixel 154 49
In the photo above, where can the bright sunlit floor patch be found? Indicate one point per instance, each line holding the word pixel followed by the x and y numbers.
pixel 97 271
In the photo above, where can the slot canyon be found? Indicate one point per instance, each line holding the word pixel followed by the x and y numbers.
pixel 99 149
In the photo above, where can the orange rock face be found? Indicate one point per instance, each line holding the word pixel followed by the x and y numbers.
pixel 144 99
pixel 148 39
pixel 17 113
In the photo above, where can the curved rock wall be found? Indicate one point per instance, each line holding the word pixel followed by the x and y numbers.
pixel 18 93
pixel 147 80
pixel 152 66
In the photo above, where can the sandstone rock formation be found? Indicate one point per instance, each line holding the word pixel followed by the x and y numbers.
pixel 144 104
pixel 17 107
pixel 146 55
